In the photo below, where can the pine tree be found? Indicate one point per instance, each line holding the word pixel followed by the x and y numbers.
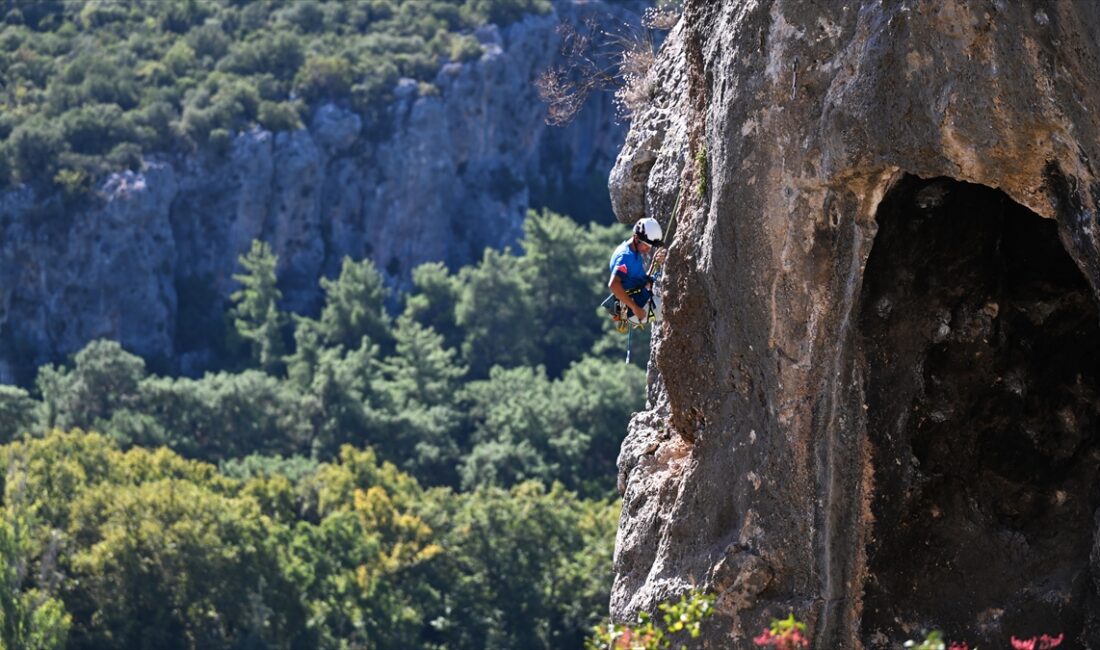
pixel 432 302
pixel 355 306
pixel 422 370
pixel 558 267
pixel 301 366
pixel 255 312
pixel 17 410
pixel 420 385
pixel 497 310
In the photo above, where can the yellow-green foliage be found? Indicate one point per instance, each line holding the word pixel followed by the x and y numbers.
pixel 167 551
pixel 31 616
pixel 676 622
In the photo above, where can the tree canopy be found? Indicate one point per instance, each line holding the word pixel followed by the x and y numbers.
pixel 439 479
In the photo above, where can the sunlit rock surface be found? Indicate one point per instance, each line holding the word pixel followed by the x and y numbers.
pixel 874 401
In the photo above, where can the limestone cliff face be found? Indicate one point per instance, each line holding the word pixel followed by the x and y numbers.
pixel 453 170
pixel 874 401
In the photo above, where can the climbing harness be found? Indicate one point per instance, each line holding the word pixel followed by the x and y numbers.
pixel 621 315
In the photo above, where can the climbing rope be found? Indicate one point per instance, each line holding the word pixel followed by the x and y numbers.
pixel 621 314
pixel 672 231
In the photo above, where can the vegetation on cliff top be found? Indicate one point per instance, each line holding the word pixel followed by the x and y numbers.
pixel 87 87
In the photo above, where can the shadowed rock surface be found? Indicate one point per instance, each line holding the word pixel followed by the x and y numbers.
pixel 452 170
pixel 874 401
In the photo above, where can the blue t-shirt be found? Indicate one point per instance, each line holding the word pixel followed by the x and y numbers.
pixel 628 265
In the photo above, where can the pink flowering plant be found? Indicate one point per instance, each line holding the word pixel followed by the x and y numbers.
pixel 934 641
pixel 785 634
pixel 656 632
pixel 1044 642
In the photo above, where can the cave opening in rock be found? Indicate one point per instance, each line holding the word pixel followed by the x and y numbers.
pixel 982 376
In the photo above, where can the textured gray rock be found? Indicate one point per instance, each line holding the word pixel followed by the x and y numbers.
pixel 845 425
pixel 456 171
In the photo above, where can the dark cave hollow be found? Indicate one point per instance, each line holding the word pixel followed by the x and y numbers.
pixel 981 344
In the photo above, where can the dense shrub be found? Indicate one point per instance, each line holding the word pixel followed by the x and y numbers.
pixel 504 12
pixel 96 128
pixel 324 77
pixel 34 147
pixel 280 116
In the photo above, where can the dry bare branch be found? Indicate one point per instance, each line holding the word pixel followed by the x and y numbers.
pixel 599 60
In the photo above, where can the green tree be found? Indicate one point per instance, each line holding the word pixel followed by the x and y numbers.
pixel 525 568
pixel 516 419
pixel 104 379
pixel 221 415
pixel 255 312
pixel 96 128
pixel 432 301
pixel 34 148
pixel 355 306
pixel 17 412
pixel 180 15
pixel 324 77
pixel 503 12
pixel 366 568
pixel 169 564
pixel 420 382
pixel 344 388
pixel 301 366
pixel 209 41
pixel 179 59
pixel 281 54
pixel 599 398
pixel 54 469
pixel 280 116
pixel 422 370
pixel 561 266
pixel 526 426
pixel 498 313
pixel 31 617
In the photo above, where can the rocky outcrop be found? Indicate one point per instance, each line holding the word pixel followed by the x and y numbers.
pixel 874 399
pixel 453 169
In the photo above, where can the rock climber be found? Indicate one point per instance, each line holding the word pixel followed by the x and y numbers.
pixel 631 286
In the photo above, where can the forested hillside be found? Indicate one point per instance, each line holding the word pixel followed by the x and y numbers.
pixel 145 144
pixel 241 410
pixel 87 87
pixel 442 478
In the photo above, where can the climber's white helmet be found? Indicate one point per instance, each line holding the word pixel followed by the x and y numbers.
pixel 649 231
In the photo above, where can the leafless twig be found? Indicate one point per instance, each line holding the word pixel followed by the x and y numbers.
pixel 598 60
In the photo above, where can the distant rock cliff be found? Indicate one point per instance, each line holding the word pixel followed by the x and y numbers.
pixel 875 400
pixel 455 171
